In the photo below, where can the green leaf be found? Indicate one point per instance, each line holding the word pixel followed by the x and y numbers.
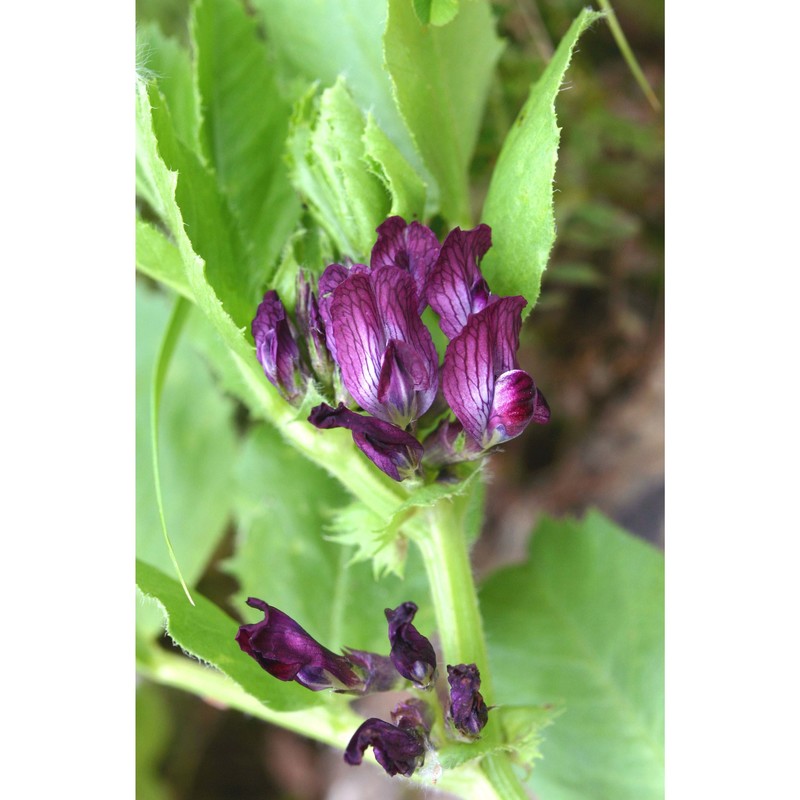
pixel 197 447
pixel 441 78
pixel 582 623
pixel 329 167
pixel 168 62
pixel 519 205
pixel 282 506
pixel 158 258
pixel 435 12
pixel 323 39
pixel 244 125
pixel 207 633
pixel 404 185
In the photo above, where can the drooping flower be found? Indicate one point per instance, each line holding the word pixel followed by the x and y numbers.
pixel 289 653
pixel 412 654
pixel 491 397
pixel 467 710
pixel 455 287
pixel 398 750
pixel 386 354
pixel 391 449
pixel 411 247
pixel 277 350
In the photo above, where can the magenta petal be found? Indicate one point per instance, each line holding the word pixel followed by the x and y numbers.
pixel 288 653
pixel 413 248
pixel 456 287
pixel 390 448
pixel 541 409
pixel 513 405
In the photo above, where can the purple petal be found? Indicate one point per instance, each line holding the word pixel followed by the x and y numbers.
pixel 289 653
pixel 360 341
pixel 474 359
pixel 541 409
pixel 467 710
pixel 412 654
pixel 455 286
pixel 448 444
pixel 379 672
pixel 276 348
pixel 413 248
pixel 331 278
pixel 413 713
pixel 391 449
pixel 398 751
pixel 312 328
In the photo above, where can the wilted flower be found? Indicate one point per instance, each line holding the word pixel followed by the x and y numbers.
pixel 467 710
pixel 493 399
pixel 390 448
pixel 277 350
pixel 289 653
pixel 398 750
pixel 412 654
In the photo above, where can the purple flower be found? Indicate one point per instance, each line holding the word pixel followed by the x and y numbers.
pixel 455 286
pixel 412 654
pixel 493 399
pixel 390 448
pixel 411 247
pixel 332 277
pixel 398 750
pixel 277 350
pixel 467 710
pixel 288 653
pixel 387 357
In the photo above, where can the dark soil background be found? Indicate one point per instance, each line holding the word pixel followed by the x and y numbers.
pixel 595 345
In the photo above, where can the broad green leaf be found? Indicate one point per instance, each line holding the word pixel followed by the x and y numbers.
pixel 329 167
pixel 323 39
pixel 435 12
pixel 441 78
pixel 210 230
pixel 197 446
pixel 403 184
pixel 158 258
pixel 333 450
pixel 519 205
pixel 283 504
pixel 581 624
pixel 244 125
pixel 207 633
pixel 168 62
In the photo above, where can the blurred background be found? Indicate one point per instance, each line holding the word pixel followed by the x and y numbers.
pixel 594 344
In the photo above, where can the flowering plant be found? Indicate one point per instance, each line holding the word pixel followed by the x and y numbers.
pixel 339 369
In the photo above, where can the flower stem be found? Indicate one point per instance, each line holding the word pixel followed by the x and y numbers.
pixel 458 619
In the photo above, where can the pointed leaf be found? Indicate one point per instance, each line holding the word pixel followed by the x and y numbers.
pixel 519 205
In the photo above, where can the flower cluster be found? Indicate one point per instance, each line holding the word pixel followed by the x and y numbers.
pixel 362 339
pixel 289 653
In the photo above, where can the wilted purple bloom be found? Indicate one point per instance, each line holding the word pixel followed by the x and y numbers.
pixel 412 654
pixel 386 355
pixel 493 399
pixel 288 653
pixel 277 350
pixel 399 751
pixel 379 672
pixel 411 247
pixel 413 713
pixel 455 286
pixel 390 448
pixel 467 708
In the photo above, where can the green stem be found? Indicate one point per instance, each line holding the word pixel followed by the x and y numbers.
pixel 459 624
